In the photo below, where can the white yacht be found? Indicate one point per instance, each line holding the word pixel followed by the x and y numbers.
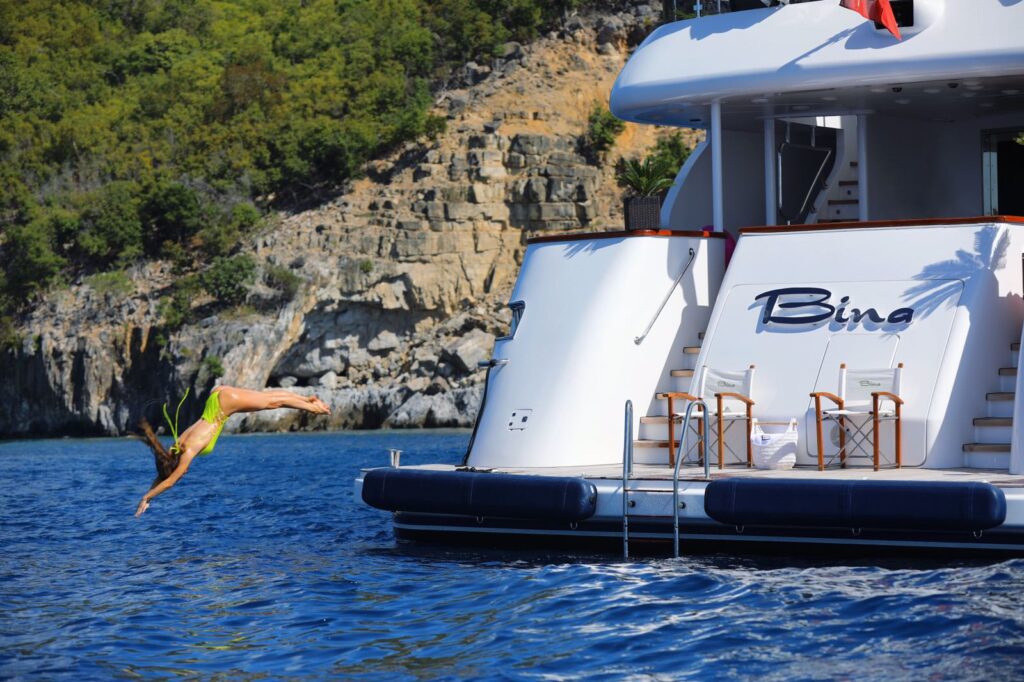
pixel 819 346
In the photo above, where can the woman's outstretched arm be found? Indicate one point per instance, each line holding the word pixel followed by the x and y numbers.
pixel 167 483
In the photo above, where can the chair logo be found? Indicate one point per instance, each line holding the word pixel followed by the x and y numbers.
pixel 810 305
pixel 867 383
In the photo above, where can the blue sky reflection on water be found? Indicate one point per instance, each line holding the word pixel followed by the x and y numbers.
pixel 261 564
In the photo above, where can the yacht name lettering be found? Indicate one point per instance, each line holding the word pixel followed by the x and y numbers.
pixel 818 309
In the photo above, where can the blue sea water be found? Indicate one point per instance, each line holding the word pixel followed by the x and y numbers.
pixel 260 564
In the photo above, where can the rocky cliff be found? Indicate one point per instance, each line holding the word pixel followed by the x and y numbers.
pixel 403 276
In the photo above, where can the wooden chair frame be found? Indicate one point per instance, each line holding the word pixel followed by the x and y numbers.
pixel 876 420
pixel 699 420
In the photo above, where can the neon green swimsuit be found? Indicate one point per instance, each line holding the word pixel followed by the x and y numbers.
pixel 212 414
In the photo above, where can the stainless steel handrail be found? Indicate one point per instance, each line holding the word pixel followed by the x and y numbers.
pixel 627 471
pixel 640 339
pixel 1016 437
pixel 679 461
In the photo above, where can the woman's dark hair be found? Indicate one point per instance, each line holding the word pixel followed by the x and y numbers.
pixel 166 460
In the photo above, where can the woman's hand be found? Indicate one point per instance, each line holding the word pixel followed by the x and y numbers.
pixel 143 506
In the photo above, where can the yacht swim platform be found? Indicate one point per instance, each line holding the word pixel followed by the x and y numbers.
pixel 661 473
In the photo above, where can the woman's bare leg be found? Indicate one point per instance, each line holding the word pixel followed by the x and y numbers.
pixel 234 400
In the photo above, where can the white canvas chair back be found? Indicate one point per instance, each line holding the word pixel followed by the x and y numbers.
pixel 714 381
pixel 857 385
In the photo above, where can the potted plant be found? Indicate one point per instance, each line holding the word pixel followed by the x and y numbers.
pixel 646 180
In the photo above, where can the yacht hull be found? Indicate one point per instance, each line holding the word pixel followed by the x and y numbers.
pixel 654 536
pixel 948 517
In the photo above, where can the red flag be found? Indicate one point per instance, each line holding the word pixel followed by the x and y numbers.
pixel 879 11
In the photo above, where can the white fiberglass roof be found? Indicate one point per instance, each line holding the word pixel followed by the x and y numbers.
pixel 962 58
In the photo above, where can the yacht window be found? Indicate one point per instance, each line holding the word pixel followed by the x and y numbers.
pixel 1003 172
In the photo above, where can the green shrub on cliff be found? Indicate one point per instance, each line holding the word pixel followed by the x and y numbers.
pixel 228 279
pixel 115 282
pixel 672 151
pixel 175 310
pixel 283 280
pixel 9 337
pixel 602 130
pixel 213 366
pixel 31 263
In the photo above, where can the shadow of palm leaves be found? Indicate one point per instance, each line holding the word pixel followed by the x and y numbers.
pixel 940 282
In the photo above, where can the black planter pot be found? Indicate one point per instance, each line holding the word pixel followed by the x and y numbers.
pixel 643 213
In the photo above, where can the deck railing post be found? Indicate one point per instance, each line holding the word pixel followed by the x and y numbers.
pixel 771 192
pixel 717 202
pixel 627 471
pixel 675 470
pixel 863 207
pixel 1016 435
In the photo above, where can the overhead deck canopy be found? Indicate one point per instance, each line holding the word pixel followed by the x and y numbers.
pixel 961 59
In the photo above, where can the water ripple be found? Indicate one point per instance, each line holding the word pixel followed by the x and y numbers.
pixel 262 565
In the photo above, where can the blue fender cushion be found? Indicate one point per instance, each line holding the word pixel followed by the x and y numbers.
pixel 480 494
pixel 911 505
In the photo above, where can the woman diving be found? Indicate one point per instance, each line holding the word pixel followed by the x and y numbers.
pixel 200 438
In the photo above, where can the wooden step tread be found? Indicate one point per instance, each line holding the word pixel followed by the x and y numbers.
pixel 700 336
pixel 986 447
pixel 1007 371
pixel 842 202
pixel 682 372
pixel 654 443
pixel 691 350
pixel 662 419
pixel 1000 396
pixel 993 421
pixel 848 183
pixel 1015 346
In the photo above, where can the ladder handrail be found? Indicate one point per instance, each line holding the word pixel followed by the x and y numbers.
pixel 627 471
pixel 647 330
pixel 1016 439
pixel 679 461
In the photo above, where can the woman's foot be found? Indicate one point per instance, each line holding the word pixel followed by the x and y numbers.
pixel 317 406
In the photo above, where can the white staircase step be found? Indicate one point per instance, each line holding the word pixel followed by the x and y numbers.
pixel 1000 403
pixel 659 419
pixel 648 443
pixel 848 189
pixel 987 460
pixel 654 427
pixel 841 210
pixel 650 451
pixel 993 421
pixel 992 432
pixel 987 447
pixel 987 455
